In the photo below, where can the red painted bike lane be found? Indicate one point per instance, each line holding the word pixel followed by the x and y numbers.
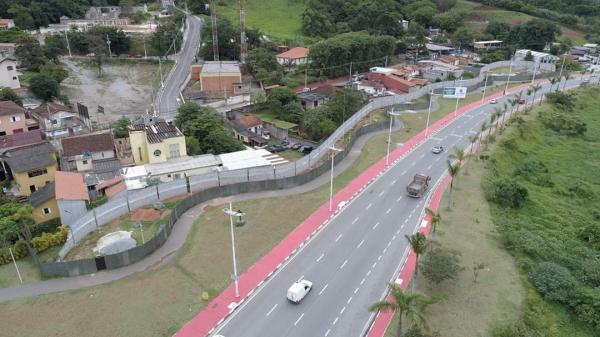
pixel 221 306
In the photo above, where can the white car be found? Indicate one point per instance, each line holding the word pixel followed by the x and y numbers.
pixel 298 290
pixel 493 101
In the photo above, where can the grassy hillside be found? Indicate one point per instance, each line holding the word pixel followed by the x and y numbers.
pixel 480 14
pixel 277 18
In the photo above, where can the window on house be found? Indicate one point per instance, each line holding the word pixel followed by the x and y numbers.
pixel 140 153
pixel 174 151
pixel 14 77
pixel 54 121
pixel 19 130
pixel 2 133
pixel 32 188
pixel 15 118
pixel 36 173
pixel 47 210
pixel 9 68
pixel 85 162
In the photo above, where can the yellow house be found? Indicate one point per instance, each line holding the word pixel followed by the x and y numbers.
pixel 32 167
pixel 156 141
pixel 43 202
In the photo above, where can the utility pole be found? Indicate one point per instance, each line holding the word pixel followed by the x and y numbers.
pixel 350 79
pixel 108 43
pixel 68 45
pixel 243 42
pixel 145 53
pixel 215 35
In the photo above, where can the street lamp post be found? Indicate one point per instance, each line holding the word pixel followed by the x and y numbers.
pixel 487 73
pixel 392 115
pixel 431 94
pixel 335 150
pixel 509 72
pixel 456 106
pixel 229 211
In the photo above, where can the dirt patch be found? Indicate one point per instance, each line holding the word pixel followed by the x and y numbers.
pixel 124 88
pixel 148 214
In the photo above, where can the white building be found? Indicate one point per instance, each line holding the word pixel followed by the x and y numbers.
pixel 249 158
pixel 181 167
pixel 480 45
pixel 57 120
pixel 294 56
pixel 538 57
pixel 9 76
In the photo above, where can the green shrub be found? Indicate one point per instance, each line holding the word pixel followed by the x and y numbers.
pixel 562 123
pixel 587 307
pixel 49 226
pixel 506 193
pixel 554 282
pixel 590 234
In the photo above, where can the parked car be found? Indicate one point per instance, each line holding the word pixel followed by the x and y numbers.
pixel 521 101
pixel 306 149
pixel 437 149
pixel 493 101
pixel 284 143
pixel 298 290
pixel 276 148
pixel 296 146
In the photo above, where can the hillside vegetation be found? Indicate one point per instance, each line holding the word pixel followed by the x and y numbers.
pixel 544 189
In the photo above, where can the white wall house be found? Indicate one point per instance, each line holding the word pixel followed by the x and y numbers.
pixel 9 76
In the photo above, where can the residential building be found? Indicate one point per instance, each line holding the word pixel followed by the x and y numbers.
pixel 249 129
pixel 219 78
pixel 436 49
pixel 314 98
pixel 294 56
pixel 123 148
pixel 9 76
pixel 71 194
pixel 155 141
pixel 491 44
pixel 372 88
pixel 538 57
pixel 439 71
pixel 43 202
pixel 593 47
pixel 7 24
pixel 58 121
pixel 397 81
pixel 21 139
pixel 7 49
pixel 14 119
pixel 181 167
pixel 90 153
pixel 31 167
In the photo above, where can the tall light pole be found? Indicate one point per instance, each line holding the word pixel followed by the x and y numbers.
pixel 229 211
pixel 392 115
pixel 508 77
pixel 431 94
pixel 68 45
pixel 561 71
pixel 487 73
pixel 535 67
pixel 456 106
pixel 335 150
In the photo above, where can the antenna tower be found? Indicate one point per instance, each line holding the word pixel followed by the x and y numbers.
pixel 243 42
pixel 215 35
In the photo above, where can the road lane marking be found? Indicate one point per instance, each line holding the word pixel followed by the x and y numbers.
pixel 360 244
pixel 338 238
pixel 379 258
pixel 394 237
pixel 320 257
pixel 342 311
pixel 343 264
pixel 399 198
pixel 273 308
pixel 403 173
pixel 298 320
pixel 393 182
pixel 405 220
pixel 402 226
pixel 438 158
pixel 381 193
pixel 385 250
pixel 335 320
pixel 388 211
pixel 356 290
pixel 327 332
pixel 398 231
pixel 362 281
pixel 374 264
pixel 429 167
pixel 368 273
pixel 369 205
pixel 375 226
pixel 355 220
pixel 349 300
pixel 389 243
pixel 322 290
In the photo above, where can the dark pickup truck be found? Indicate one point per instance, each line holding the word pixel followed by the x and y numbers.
pixel 418 186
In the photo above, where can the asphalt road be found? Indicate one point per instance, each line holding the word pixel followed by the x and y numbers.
pixel 168 98
pixel 356 254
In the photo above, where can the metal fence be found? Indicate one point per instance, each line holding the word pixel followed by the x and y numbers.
pixel 119 206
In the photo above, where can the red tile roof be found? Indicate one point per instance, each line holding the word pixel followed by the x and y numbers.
pixel 112 190
pixel 74 146
pixel 21 139
pixel 294 53
pixel 109 182
pixel 70 186
pixel 48 108
pixel 248 121
pixel 5 22
pixel 10 108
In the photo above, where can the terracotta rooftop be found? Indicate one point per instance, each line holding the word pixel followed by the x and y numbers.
pixel 75 146
pixel 10 108
pixel 109 182
pixel 248 121
pixel 70 186
pixel 294 53
pixel 21 139
pixel 5 22
pixel 47 108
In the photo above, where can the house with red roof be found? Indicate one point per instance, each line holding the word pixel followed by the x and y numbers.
pixel 249 129
pixel 294 56
pixel 71 193
pixel 7 23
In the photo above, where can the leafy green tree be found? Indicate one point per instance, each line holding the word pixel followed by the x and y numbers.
pixel 498 30
pixel 22 16
pixel 228 41
pixel 534 34
pixel 121 127
pixel 279 97
pixel 554 282
pixel 15 222
pixel 97 46
pixel 8 94
pixel 292 112
pixel 29 53
pixel 44 86
pixel 450 20
pixel 409 307
pixel 317 124
pixel 262 63
pixel 506 193
pixel 317 23
pixel 119 41
pixel 54 46
pixel 192 146
pixel 187 112
pixel 528 56
pixel 440 264
pixel 345 103
pixel 418 244
pixel 56 71
pixel 561 100
pixel 463 37
pixel 167 38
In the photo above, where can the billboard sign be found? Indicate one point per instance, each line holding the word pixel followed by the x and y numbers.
pixel 455 92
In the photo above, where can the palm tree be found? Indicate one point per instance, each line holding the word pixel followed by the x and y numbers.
pixel 482 128
pixel 418 244
pixel 493 118
pixel 453 169
pixel 458 154
pixel 513 103
pixel 473 139
pixel 411 307
pixel 498 113
pixel 436 218
pixel 553 81
pixel 535 88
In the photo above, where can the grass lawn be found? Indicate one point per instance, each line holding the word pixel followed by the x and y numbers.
pixel 29 272
pixel 278 18
pixel 269 116
pixel 479 14
pixel 157 302
pixel 291 155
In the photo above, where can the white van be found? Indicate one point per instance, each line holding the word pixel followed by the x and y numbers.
pixel 298 290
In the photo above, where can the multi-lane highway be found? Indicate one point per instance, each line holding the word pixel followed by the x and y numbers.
pixel 356 254
pixel 168 98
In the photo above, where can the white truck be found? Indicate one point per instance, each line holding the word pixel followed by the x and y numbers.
pixel 298 290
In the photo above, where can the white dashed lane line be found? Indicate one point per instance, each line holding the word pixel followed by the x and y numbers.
pixel 320 257
pixel 273 308
pixel 375 225
pixel 360 243
pixel 355 220
pixel 343 264
pixel 338 238
pixel 369 205
pixel 298 320
pixel 325 287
